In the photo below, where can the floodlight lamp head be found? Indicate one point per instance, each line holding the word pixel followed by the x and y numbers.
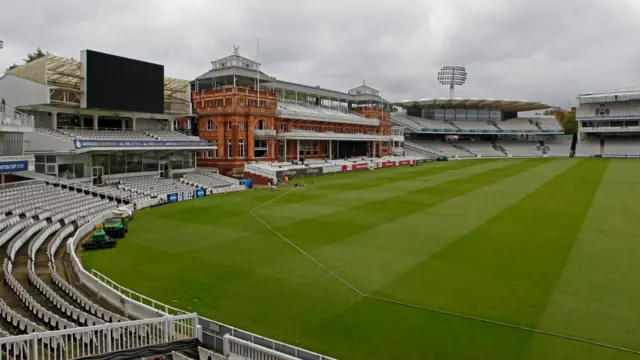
pixel 452 76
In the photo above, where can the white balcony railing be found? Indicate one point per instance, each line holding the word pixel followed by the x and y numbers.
pixel 13 120
pixel 313 135
pixel 264 133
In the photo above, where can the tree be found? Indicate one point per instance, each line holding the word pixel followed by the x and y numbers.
pixel 566 118
pixel 35 55
pixel 32 57
pixel 569 122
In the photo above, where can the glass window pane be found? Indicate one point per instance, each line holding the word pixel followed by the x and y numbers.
pixel 134 162
pixel 79 170
pixel 117 163
pixel 65 171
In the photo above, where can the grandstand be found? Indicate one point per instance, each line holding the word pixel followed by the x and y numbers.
pixel 40 226
pixel 608 124
pixel 99 143
pixel 478 128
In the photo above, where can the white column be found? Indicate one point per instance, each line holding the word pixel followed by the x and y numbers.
pixel 124 124
pixel 285 151
pixel 171 124
pixel 95 122
pixel 133 123
pixel 298 150
pixel 330 150
pixel 54 120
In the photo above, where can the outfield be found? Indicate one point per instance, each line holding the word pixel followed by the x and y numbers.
pixel 540 243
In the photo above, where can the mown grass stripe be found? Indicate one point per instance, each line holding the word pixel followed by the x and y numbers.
pixel 360 215
pixel 598 295
pixel 359 257
pixel 507 269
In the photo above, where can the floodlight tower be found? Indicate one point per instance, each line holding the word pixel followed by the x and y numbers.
pixel 452 76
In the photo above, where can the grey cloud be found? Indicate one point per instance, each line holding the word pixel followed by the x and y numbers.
pixel 543 50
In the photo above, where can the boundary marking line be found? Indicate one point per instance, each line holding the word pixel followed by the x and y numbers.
pixel 425 308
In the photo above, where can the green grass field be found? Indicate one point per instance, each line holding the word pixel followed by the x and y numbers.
pixel 540 243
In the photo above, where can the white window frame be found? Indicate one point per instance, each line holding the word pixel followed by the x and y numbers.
pixel 210 152
pixel 241 148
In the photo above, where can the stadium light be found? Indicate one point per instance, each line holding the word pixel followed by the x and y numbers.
pixel 452 76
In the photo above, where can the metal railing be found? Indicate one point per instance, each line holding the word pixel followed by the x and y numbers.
pixel 12 117
pixel 327 135
pixel 249 350
pixel 258 170
pixel 132 295
pixel 101 339
pixel 264 132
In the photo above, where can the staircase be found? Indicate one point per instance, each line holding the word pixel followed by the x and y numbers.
pixel 403 120
pixel 542 147
pixel 460 147
pixel 494 124
pixel 452 124
pixel 432 153
pixel 500 148
pixel 536 123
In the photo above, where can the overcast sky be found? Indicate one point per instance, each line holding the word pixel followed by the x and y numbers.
pixel 539 50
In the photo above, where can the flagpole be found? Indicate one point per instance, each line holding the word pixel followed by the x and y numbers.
pixel 1 67
pixel 258 68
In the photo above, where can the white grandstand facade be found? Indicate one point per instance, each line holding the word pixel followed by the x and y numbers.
pixel 479 128
pixel 69 141
pixel 608 124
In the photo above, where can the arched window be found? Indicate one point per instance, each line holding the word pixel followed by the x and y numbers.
pixel 260 124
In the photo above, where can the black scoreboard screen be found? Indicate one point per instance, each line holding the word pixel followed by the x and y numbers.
pixel 118 83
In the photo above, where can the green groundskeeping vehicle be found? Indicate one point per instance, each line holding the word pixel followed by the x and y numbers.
pixel 99 240
pixel 116 227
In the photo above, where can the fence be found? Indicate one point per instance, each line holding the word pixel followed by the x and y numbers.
pixel 250 350
pixel 100 339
